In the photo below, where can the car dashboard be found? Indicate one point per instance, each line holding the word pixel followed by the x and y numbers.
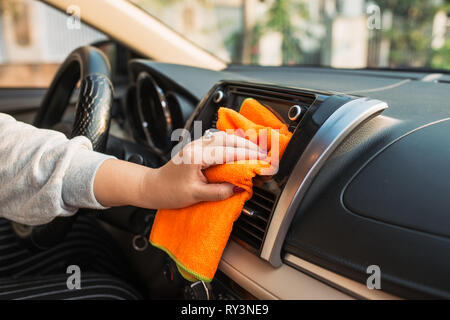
pixel 362 182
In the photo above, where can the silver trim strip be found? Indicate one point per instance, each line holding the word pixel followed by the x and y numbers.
pixel 325 141
pixel 344 284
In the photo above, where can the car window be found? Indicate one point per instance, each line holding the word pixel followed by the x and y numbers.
pixel 35 38
pixel 338 33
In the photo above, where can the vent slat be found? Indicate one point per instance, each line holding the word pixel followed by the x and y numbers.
pixel 265 209
pixel 253 223
pixel 262 195
pixel 246 239
pixel 277 95
pixel 250 229
pixel 261 218
pixel 247 231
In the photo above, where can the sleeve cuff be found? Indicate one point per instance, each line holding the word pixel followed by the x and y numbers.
pixel 78 182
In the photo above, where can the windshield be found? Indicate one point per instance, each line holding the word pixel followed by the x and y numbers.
pixel 337 33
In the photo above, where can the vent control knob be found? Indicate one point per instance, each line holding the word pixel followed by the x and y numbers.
pixel 295 112
pixel 218 96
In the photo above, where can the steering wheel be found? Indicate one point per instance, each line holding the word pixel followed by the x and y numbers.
pixel 92 119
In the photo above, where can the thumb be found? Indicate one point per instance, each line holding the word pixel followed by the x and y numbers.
pixel 216 191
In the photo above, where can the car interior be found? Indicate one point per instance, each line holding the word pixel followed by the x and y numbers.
pixel 363 181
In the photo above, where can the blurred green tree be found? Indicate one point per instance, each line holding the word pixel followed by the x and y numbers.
pixel 441 57
pixel 411 30
pixel 280 17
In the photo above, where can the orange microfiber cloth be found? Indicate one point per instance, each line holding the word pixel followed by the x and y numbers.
pixel 195 237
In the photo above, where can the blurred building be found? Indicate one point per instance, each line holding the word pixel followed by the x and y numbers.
pixel 32 31
pixel 34 39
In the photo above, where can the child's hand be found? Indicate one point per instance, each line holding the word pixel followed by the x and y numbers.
pixel 181 183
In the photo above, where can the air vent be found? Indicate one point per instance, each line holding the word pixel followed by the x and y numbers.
pixel 273 94
pixel 250 229
pixel 215 119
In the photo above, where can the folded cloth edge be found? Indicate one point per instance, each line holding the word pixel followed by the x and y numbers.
pixel 184 271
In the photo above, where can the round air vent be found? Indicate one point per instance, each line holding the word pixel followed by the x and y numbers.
pixel 154 113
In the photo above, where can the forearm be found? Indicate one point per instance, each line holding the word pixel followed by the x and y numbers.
pixel 119 183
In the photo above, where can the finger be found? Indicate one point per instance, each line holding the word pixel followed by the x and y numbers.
pixel 236 154
pixel 211 137
pixel 232 140
pixel 223 139
pixel 215 191
pixel 220 155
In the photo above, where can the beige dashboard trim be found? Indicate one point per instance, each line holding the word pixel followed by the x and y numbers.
pixel 347 285
pixel 266 282
pixel 140 31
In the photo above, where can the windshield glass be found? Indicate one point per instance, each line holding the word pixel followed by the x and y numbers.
pixel 337 33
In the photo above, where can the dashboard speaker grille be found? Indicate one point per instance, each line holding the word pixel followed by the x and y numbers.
pixel 250 228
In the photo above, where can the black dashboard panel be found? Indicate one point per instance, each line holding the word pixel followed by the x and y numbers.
pixel 413 257
pixel 387 188
pixel 373 222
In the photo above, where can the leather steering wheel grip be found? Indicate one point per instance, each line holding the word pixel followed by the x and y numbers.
pixel 93 108
pixel 93 111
